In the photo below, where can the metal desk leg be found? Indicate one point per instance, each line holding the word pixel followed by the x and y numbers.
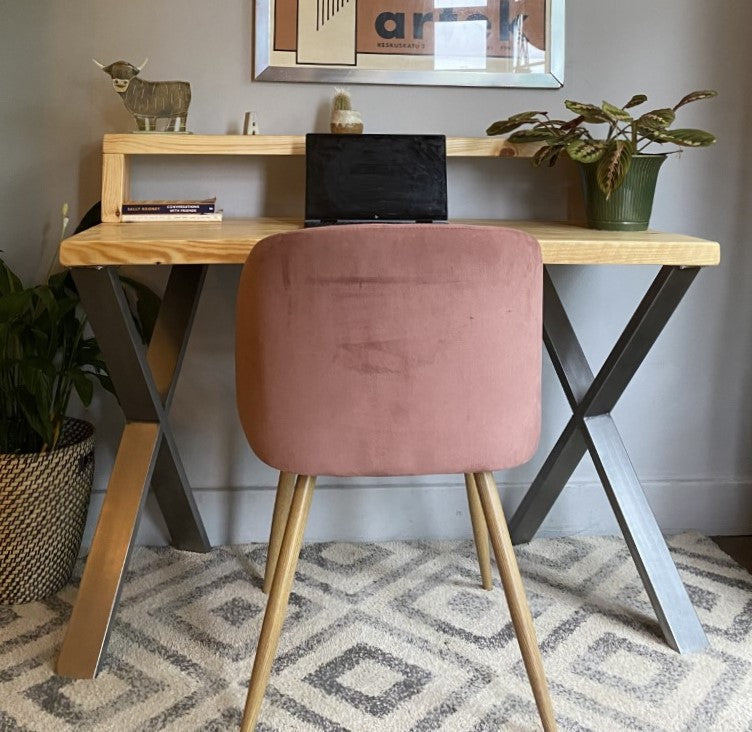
pixel 591 429
pixel 145 383
pixel 165 357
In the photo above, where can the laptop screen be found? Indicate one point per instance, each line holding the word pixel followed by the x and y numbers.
pixel 375 178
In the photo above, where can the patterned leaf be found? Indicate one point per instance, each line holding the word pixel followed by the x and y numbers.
pixel 547 154
pixel 695 96
pixel 656 119
pixel 524 116
pixel 534 135
pixel 585 151
pixel 689 137
pixel 657 135
pixel 503 126
pixel 635 101
pixel 614 166
pixel 616 112
pixel 589 112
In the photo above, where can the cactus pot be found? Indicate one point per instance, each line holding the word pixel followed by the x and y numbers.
pixel 630 205
pixel 346 122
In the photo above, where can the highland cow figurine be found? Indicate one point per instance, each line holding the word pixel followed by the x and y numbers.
pixel 149 101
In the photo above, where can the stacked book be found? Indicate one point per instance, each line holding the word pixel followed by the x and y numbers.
pixel 203 210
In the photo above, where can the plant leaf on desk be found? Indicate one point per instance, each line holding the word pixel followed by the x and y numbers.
pixel 657 119
pixel 589 112
pixel 586 151
pixel 537 134
pixel 616 113
pixel 502 126
pixel 636 100
pixel 614 166
pixel 695 96
pixel 688 137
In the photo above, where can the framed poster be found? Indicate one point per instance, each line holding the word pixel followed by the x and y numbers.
pixel 480 43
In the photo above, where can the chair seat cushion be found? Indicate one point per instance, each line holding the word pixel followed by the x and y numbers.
pixel 391 349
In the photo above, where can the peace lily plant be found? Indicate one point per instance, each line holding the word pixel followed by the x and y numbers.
pixel 627 134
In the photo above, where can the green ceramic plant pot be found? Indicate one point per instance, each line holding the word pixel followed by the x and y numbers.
pixel 630 205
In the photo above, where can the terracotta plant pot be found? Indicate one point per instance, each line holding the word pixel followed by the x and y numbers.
pixel 630 205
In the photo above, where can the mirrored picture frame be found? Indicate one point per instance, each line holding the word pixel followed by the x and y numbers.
pixel 493 43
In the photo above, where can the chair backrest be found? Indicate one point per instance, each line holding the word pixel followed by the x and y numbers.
pixel 391 349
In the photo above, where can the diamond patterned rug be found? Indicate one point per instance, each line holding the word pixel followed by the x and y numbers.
pixel 395 637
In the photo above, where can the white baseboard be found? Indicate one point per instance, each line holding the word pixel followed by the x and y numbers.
pixel 378 512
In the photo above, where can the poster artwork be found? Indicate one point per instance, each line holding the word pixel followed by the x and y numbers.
pixel 353 32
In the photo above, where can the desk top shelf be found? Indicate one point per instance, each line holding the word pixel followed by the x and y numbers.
pixel 230 241
pixel 117 150
pixel 177 144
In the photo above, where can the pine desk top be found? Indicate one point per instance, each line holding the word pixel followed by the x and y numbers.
pixel 230 241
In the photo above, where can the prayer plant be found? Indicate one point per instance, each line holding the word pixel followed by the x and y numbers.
pixel 627 134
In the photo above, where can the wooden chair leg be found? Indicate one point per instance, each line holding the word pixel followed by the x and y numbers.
pixel 480 531
pixel 282 501
pixel 276 606
pixel 515 594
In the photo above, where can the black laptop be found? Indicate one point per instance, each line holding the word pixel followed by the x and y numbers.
pixel 375 178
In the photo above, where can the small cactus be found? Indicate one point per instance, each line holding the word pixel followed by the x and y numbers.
pixel 342 100
pixel 344 119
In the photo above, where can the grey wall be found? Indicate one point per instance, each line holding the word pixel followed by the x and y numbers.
pixel 686 416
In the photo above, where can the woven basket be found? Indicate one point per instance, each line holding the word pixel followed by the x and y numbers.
pixel 44 499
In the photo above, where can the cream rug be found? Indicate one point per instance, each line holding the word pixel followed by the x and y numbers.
pixel 392 637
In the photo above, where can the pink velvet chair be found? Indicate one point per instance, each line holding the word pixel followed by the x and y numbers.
pixel 391 349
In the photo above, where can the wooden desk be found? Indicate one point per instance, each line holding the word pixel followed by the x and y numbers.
pixel 230 241
pixel 145 379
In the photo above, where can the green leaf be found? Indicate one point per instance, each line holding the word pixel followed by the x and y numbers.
pixel 688 137
pixel 524 116
pixel 585 151
pixel 658 135
pixel 58 281
pixel 14 304
pixel 8 281
pixel 547 154
pixel 656 119
pixel 147 306
pixel 503 126
pixel 589 112
pixel 695 96
pixel 106 383
pixel 46 301
pixel 84 387
pixel 636 100
pixel 39 423
pixel 613 166
pixel 33 368
pixel 534 135
pixel 616 113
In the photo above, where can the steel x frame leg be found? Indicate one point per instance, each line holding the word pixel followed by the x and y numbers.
pixel 591 429
pixel 145 384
